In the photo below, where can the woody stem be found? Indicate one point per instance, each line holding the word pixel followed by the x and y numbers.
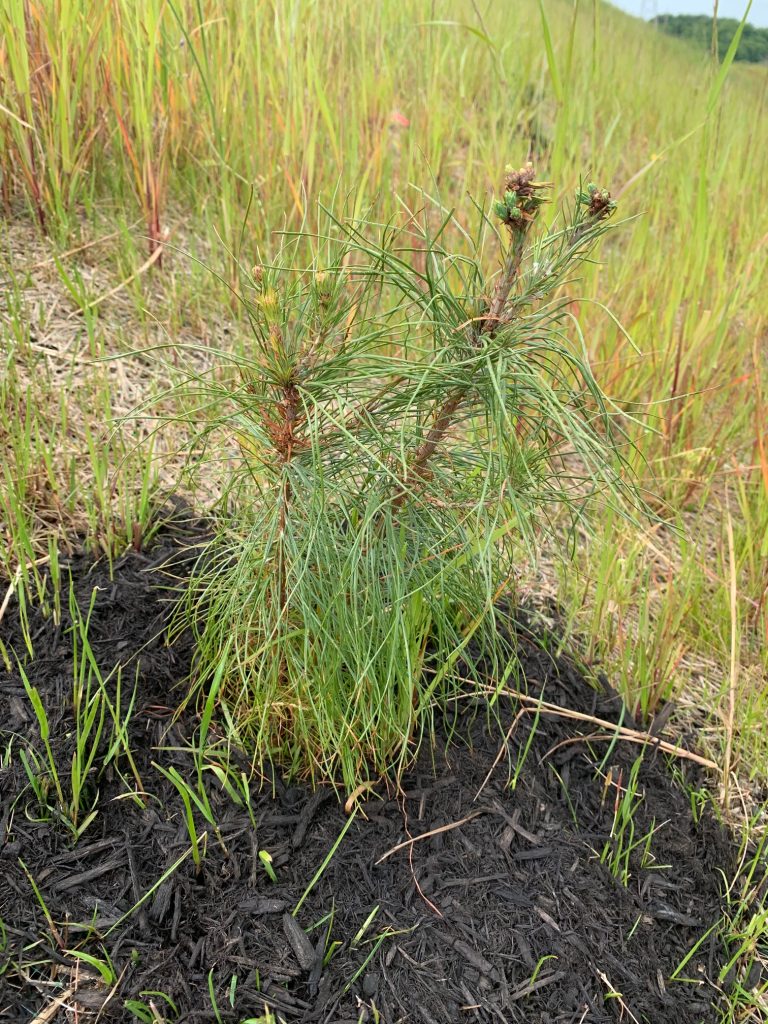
pixel 488 323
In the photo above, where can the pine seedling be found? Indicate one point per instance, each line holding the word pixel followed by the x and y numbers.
pixel 396 436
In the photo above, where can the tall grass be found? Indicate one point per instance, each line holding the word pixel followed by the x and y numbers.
pixel 275 103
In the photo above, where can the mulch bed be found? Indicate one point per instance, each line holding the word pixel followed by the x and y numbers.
pixel 508 917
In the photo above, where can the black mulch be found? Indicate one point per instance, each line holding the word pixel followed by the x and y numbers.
pixel 509 917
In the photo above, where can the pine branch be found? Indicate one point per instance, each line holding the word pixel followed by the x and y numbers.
pixel 517 211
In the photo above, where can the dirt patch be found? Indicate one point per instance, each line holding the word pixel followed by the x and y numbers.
pixel 509 916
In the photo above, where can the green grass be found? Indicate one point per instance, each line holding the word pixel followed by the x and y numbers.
pixel 208 111
pixel 212 107
pixel 65 784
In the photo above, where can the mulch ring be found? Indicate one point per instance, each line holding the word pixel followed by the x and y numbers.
pixel 500 908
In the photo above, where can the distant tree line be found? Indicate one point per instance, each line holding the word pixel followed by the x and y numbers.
pixel 698 27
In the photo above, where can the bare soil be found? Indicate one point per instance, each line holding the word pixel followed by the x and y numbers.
pixel 509 916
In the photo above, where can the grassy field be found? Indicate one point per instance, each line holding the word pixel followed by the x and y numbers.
pixel 134 139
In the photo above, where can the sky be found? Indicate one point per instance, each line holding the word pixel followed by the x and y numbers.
pixel 758 15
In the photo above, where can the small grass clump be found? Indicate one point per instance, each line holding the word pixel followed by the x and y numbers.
pixel 402 423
